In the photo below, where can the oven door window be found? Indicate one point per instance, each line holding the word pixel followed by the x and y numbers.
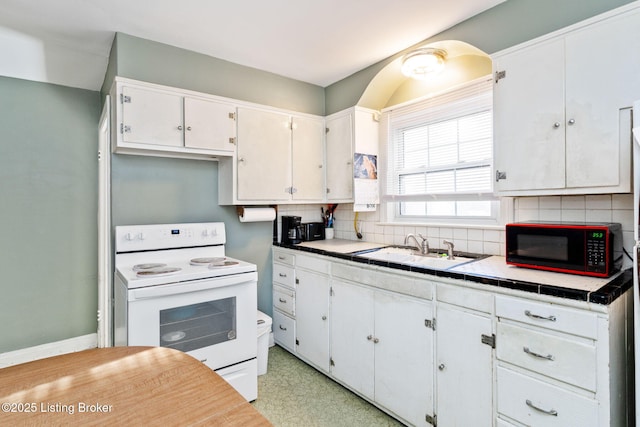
pixel 195 326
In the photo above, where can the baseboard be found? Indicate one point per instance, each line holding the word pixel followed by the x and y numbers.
pixel 29 354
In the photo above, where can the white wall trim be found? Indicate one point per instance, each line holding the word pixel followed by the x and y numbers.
pixel 29 354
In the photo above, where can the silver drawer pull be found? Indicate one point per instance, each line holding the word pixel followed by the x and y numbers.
pixel 282 328
pixel 537 316
pixel 282 300
pixel 281 258
pixel 538 355
pixel 282 275
pixel 544 411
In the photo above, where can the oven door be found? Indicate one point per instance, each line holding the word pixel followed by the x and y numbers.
pixel 213 319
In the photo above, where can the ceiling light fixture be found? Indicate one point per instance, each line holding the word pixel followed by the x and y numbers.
pixel 422 63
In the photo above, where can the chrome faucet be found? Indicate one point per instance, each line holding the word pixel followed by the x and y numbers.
pixel 423 246
pixel 449 249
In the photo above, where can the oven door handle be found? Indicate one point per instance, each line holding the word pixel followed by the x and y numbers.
pixel 194 286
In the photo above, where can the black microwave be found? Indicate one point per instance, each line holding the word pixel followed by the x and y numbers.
pixel 590 249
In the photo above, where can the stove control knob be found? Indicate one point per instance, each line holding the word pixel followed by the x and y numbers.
pixel 128 236
pixel 140 236
pixel 205 233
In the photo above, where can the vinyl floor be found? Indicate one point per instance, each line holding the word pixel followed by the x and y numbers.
pixel 293 394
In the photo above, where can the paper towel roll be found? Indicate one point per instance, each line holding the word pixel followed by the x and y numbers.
pixel 257 214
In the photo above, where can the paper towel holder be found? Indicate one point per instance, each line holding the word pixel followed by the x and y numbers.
pixel 242 210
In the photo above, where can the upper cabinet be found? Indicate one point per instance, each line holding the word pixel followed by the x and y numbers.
pixel 562 109
pixel 280 159
pixel 156 120
pixel 339 142
pixel 350 131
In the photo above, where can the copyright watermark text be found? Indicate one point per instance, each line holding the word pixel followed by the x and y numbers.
pixel 56 407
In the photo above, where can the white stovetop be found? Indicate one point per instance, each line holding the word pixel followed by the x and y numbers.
pixel 496 266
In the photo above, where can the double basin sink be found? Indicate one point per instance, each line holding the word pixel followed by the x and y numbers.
pixel 412 256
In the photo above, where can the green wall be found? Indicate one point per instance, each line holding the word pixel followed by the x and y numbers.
pixel 506 25
pixel 159 63
pixel 48 188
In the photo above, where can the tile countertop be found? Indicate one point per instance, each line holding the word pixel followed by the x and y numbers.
pixel 490 270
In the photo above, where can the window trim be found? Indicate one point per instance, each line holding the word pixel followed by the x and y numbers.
pixel 391 202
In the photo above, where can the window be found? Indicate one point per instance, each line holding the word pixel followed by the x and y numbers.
pixel 440 155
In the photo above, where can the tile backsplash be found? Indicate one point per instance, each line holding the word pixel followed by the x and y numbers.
pixel 478 239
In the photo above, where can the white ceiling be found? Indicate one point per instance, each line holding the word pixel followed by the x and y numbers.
pixel 68 41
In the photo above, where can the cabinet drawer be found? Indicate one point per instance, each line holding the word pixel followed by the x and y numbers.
pixel 284 330
pixel 313 263
pixel 284 257
pixel 284 299
pixel 284 275
pixel 549 316
pixel 557 357
pixel 536 403
pixel 464 297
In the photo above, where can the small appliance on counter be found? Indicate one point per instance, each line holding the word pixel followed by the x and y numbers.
pixel 292 230
pixel 313 231
pixel 589 249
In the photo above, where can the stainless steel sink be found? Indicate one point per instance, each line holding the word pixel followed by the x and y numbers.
pixel 411 256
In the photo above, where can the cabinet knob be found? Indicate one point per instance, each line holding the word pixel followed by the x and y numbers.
pixel 441 366
pixel 369 337
pixel 572 121
pixel 241 159
pixel 179 127
pixel 188 127
pixel 556 125
pixel 376 340
pixel 324 317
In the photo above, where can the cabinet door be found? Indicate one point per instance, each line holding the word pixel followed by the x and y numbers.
pixel 339 142
pixel 464 369
pixel 312 318
pixel 264 155
pixel 151 117
pixel 404 357
pixel 352 336
pixel 308 159
pixel 528 110
pixel 209 125
pixel 596 92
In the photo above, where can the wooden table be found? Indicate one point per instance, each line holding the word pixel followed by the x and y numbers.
pixel 121 386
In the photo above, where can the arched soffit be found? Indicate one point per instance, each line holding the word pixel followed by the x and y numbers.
pixel 390 87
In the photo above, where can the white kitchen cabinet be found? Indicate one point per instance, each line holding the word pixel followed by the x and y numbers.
pixel 280 159
pixel 559 366
pixel 209 125
pixel 381 348
pixel 561 115
pixel 264 155
pixel 352 329
pixel 307 165
pixel 339 143
pixel 284 299
pixel 464 367
pixel 312 317
pixel 350 131
pixel 162 121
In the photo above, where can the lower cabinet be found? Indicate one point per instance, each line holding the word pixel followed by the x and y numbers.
pixel 312 318
pixel 448 352
pixel 382 348
pixel 464 367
